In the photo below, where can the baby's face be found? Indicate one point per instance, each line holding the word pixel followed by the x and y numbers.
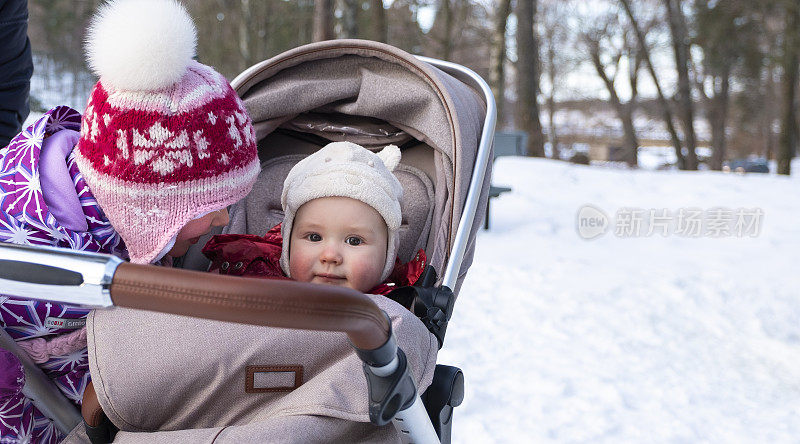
pixel 339 241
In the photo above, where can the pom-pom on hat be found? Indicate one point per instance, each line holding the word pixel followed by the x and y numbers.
pixel 164 138
pixel 141 45
pixel 344 169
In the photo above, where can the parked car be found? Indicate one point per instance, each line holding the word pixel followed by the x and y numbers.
pixel 757 165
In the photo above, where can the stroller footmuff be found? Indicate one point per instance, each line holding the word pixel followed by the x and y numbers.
pixel 206 374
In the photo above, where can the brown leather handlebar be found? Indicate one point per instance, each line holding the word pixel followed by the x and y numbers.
pixel 273 303
pixel 90 407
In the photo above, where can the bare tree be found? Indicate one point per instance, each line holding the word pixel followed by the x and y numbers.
pixel 558 42
pixel 680 46
pixel 772 36
pixel 444 26
pixel 380 30
pixel 403 28
pixel 498 57
pixel 549 40
pixel 528 77
pixel 787 144
pixel 769 115
pixel 598 38
pixel 349 21
pixel 245 27
pixel 714 89
pixel 323 20
pixel 724 38
pixel 662 100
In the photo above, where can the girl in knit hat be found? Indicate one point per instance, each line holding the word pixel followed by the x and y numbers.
pixel 341 219
pixel 164 146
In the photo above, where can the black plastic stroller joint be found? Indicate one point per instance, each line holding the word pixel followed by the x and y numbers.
pixel 389 392
pixel 432 305
pixel 444 394
pixel 383 355
pixel 390 385
pixel 102 433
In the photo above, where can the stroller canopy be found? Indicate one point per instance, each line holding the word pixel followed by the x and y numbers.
pixel 374 94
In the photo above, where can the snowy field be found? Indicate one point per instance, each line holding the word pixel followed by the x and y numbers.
pixel 630 339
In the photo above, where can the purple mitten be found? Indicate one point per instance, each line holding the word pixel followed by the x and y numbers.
pixel 57 187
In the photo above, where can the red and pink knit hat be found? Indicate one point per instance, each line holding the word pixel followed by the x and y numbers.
pixel 164 138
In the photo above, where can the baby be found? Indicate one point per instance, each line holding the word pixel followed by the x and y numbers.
pixel 340 227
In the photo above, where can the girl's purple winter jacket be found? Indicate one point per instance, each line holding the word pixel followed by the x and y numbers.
pixel 73 220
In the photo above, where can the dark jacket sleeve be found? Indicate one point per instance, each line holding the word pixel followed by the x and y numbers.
pixel 16 67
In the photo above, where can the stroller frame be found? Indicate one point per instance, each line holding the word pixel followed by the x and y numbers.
pixel 478 172
pixel 90 280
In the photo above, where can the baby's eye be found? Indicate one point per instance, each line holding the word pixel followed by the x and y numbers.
pixel 314 237
pixel 354 241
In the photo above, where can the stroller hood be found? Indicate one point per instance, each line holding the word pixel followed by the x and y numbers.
pixel 379 83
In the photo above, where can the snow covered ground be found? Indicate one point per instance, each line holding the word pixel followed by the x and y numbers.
pixel 624 338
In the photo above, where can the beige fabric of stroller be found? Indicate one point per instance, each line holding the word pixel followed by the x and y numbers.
pixel 194 386
pixel 166 378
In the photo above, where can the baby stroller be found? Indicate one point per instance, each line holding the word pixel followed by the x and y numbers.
pixel 442 116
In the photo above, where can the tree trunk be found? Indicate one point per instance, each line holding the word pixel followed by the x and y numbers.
pixel 666 112
pixel 380 29
pixel 350 18
pixel 245 25
pixel 498 57
pixel 445 17
pixel 631 141
pixel 551 99
pixel 551 128
pixel 624 112
pixel 323 20
pixel 680 46
pixel 769 115
pixel 788 142
pixel 528 77
pixel 718 117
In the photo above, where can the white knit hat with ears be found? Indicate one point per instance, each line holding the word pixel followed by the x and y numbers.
pixel 344 169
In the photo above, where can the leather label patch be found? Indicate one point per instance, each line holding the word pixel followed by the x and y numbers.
pixel 264 379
